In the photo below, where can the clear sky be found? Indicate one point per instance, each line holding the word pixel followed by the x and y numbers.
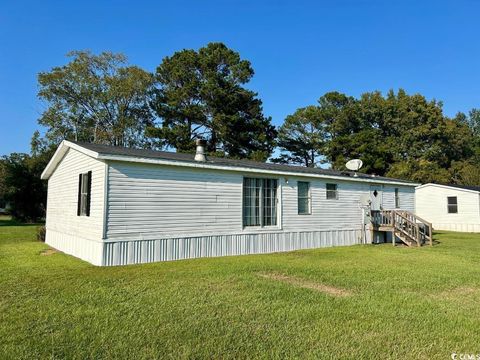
pixel 299 49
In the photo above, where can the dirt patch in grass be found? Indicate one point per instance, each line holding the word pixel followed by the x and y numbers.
pixel 48 252
pixel 459 293
pixel 306 284
pixel 462 298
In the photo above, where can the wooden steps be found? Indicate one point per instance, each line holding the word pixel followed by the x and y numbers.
pixel 411 229
pixel 405 239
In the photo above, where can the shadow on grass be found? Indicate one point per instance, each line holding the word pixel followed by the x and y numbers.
pixel 435 240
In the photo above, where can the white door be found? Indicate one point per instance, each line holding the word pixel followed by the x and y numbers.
pixel 376 197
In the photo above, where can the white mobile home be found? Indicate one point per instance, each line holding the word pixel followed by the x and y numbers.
pixel 4 206
pixel 114 206
pixel 449 207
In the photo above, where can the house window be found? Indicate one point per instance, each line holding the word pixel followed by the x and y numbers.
pixel 332 191
pixel 259 202
pixel 304 202
pixel 452 204
pixel 84 193
pixel 397 199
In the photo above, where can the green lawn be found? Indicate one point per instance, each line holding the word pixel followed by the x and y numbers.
pixel 352 302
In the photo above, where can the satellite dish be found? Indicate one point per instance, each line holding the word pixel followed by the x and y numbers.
pixel 354 165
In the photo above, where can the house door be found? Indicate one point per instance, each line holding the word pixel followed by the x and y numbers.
pixel 376 197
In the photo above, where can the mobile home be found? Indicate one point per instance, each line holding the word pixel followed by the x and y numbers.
pixel 450 207
pixel 115 206
pixel 4 206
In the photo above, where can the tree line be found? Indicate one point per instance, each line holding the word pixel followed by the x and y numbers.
pixel 397 135
pixel 202 94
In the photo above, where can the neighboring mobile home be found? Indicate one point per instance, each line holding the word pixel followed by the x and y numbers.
pixel 449 207
pixel 4 206
pixel 115 206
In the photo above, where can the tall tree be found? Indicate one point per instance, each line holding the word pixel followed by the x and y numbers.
pixel 302 137
pixel 466 172
pixel 422 139
pixel 24 190
pixel 353 132
pixel 96 98
pixel 397 135
pixel 200 94
pixel 3 175
pixel 473 121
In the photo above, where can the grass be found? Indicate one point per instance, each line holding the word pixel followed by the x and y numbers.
pixel 395 303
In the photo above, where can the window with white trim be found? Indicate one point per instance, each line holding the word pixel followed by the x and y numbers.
pixel 332 191
pixel 304 199
pixel 452 205
pixel 260 202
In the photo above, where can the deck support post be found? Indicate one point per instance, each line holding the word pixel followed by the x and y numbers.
pixel 417 231
pixel 394 240
pixel 430 235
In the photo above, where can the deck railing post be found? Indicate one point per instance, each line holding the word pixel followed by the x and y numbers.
pixel 393 228
pixel 430 233
pixel 417 230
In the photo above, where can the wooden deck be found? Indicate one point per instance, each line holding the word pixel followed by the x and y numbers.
pixel 404 225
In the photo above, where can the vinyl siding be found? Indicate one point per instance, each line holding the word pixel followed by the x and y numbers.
pixel 149 201
pixel 62 198
pixel 326 214
pixel 431 204
pixel 406 197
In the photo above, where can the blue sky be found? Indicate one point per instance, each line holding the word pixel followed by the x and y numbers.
pixel 299 49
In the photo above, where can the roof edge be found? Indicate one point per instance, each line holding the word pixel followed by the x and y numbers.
pixel 62 149
pixel 65 145
pixel 447 187
pixel 145 160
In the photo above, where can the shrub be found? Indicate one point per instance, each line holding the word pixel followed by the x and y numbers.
pixel 41 231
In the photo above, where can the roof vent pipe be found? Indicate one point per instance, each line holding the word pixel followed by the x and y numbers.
pixel 200 154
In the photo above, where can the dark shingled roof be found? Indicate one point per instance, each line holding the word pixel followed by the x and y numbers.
pixel 466 187
pixel 189 158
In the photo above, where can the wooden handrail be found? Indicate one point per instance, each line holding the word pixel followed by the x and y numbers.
pixel 405 222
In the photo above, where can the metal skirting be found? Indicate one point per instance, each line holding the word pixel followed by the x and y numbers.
pixel 145 251
pixel 473 228
pixel 77 246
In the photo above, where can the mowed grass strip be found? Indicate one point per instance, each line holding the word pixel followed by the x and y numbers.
pixel 402 303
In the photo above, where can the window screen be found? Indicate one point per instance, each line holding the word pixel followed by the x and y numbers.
pixel 259 202
pixel 332 191
pixel 452 204
pixel 303 192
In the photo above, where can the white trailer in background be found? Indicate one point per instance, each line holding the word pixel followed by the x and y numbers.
pixel 449 207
